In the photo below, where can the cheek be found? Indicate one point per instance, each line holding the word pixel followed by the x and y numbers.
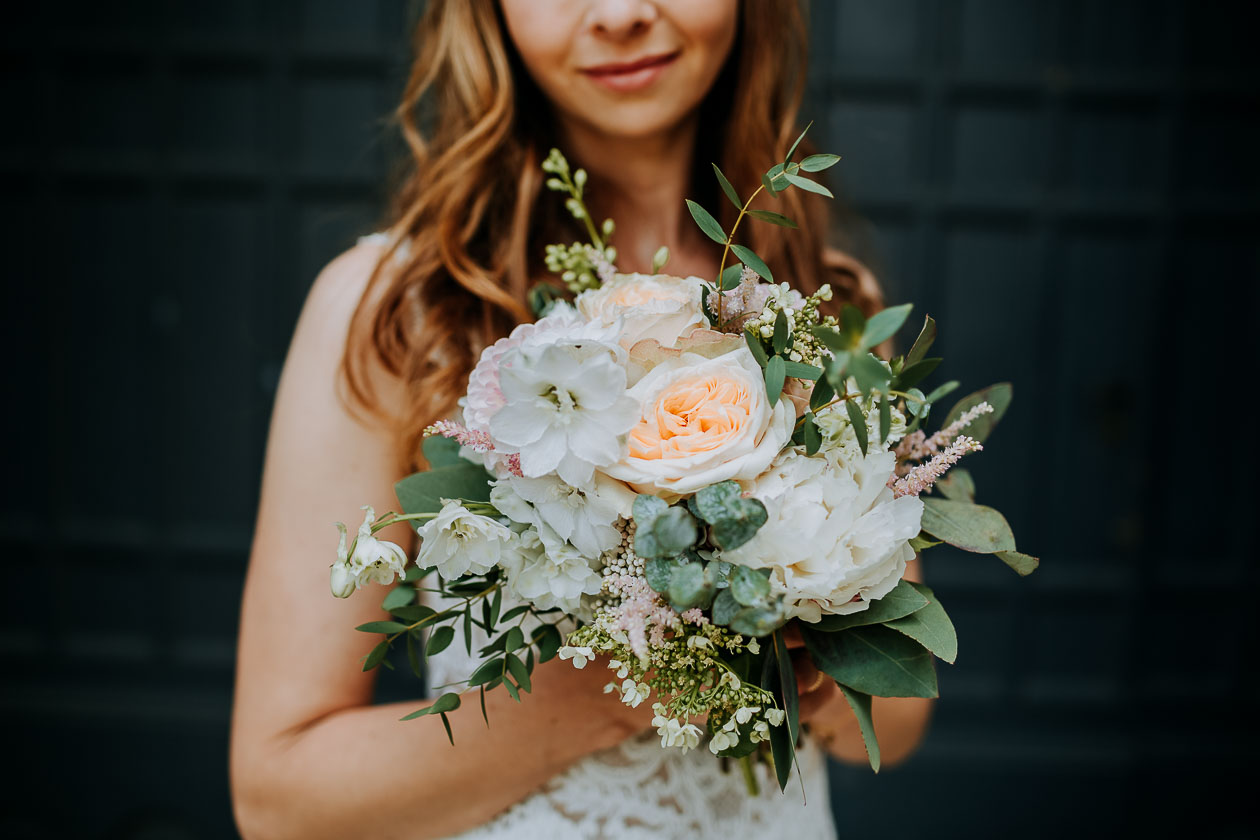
pixel 709 26
pixel 538 29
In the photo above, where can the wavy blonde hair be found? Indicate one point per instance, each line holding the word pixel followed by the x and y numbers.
pixel 471 218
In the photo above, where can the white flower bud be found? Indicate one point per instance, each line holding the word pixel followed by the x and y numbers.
pixel 579 178
pixel 341 581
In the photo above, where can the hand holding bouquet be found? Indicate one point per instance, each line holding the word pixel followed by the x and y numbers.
pixel 661 474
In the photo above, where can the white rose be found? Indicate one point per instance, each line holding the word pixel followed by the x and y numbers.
pixel 458 542
pixel 702 421
pixel 657 306
pixel 836 539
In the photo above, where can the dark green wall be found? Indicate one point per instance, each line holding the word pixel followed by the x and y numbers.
pixel 1071 187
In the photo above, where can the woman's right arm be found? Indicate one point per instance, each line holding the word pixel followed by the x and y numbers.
pixel 310 756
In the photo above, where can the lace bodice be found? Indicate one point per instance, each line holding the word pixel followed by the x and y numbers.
pixel 639 791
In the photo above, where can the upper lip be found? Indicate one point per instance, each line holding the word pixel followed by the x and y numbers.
pixel 630 66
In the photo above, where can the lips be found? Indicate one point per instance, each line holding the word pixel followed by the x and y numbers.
pixel 631 66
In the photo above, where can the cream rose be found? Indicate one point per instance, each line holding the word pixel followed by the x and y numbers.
pixel 657 306
pixel 702 421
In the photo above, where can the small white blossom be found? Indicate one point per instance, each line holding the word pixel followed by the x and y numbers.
pixel 633 693
pixel 458 542
pixel 774 716
pixel 369 560
pixel 729 678
pixel 745 714
pixel 722 741
pixel 579 655
pixel 760 731
pixel 620 667
pixel 754 647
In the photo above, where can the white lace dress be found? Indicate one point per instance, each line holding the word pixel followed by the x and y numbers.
pixel 639 791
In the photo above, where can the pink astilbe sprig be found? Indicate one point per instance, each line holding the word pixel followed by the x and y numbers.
pixel 917 446
pixel 641 615
pixel 921 478
pixel 474 439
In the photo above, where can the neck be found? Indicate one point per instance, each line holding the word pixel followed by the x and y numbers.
pixel 640 183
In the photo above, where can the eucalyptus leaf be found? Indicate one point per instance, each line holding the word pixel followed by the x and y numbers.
pixel 688 587
pixel 807 185
pixel 440 640
pixel 823 393
pixel 871 374
pixel 399 596
pixel 756 263
pixel 413 612
pixel 998 396
pixel 448 702
pixel 750 588
pixel 658 571
pixel 772 217
pixel 795 143
pixel 769 185
pixel 782 334
pixel 929 626
pixel 513 639
pixel 922 543
pixel 727 188
pixel 707 223
pixel 817 163
pixel 858 420
pixel 885 419
pixel 861 705
pixel 776 375
pixel 724 607
pixel 487 671
pixel 547 637
pixel 375 656
pixel 942 390
pixel 647 507
pixel 731 275
pixel 756 348
pixel 757 621
pixel 1023 564
pixel 518 670
pixel 381 627
pixel 813 437
pixel 831 338
pixel 884 324
pixel 800 370
pixel 912 375
pixel 874 660
pixel 903 600
pixel 440 451
pixel 923 343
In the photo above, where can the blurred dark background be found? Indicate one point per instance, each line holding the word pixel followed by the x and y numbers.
pixel 1071 186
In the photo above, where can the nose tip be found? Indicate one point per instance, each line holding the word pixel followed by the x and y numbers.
pixel 621 19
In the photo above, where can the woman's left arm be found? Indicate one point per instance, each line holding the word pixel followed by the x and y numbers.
pixel 900 722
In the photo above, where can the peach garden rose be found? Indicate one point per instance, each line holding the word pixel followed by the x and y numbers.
pixel 702 421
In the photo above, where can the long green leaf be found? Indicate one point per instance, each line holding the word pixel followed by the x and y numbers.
pixel 822 394
pixel 800 370
pixel 970 527
pixel 861 705
pixel 923 343
pixel 929 626
pixel 903 600
pixel 728 189
pixel 858 421
pixel 750 259
pixel 1023 564
pixel 423 492
pixel 885 418
pixel 707 223
pixel 813 437
pixel 782 334
pixel 731 276
pixel 773 218
pixel 440 640
pixel 808 185
pixel 381 627
pixel 756 348
pixel 874 660
pixel 440 451
pixel 797 142
pixel 448 702
pixel 884 324
pixel 817 163
pixel 399 596
pixel 776 374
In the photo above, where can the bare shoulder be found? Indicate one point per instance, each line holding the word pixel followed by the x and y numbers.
pixel 336 292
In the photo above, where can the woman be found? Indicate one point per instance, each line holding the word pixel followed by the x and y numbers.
pixel 643 95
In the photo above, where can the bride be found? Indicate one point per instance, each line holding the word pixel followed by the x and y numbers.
pixel 643 94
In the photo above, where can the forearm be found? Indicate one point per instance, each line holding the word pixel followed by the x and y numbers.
pixel 360 772
pixel 900 723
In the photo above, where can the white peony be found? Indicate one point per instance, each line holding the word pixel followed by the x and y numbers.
pixel 548 572
pixel 657 306
pixel 459 542
pixel 702 421
pixel 565 408
pixel 370 561
pixel 584 518
pixel 836 539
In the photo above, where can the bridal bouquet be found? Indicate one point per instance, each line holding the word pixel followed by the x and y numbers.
pixel 661 474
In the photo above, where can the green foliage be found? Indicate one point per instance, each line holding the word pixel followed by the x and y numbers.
pixel 858 421
pixel 884 324
pixel 773 218
pixel 870 373
pixel 874 660
pixel 813 437
pixel 807 185
pixel 957 485
pixel 823 394
pixel 440 451
pixel 667 533
pixel 440 640
pixel 1023 564
pixel 423 492
pixel 782 334
pixel 757 621
pixel 800 370
pixel 749 258
pixel 690 586
pixel 929 626
pixel 861 705
pixel 817 163
pixel 903 600
pixel 776 376
pixel 735 519
pixel 927 335
pixel 724 607
pixel 967 526
pixel 749 588
pixel 756 348
pixel 399 596
pixel 727 188
pixel 998 396
pixel 707 223
pixel 731 276
pixel 382 627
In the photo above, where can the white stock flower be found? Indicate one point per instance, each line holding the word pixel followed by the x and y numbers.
pixel 837 429
pixel 658 306
pixel 579 655
pixel 370 561
pixel 458 542
pixel 583 517
pixel 546 571
pixel 836 538
pixel 565 408
pixel 702 421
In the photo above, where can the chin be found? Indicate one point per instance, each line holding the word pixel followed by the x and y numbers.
pixel 634 120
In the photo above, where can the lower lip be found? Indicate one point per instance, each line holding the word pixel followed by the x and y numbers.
pixel 633 80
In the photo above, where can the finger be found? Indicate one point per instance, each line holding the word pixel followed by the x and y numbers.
pixel 792 635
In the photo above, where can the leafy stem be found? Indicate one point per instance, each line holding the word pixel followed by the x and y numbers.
pixel 432 619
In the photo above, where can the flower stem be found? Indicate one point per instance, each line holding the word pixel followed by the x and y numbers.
pixel 750 777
